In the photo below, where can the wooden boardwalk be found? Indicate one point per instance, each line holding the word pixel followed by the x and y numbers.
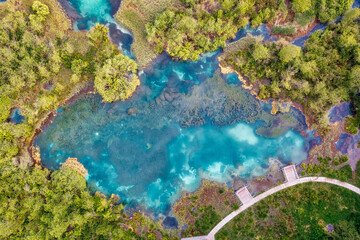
pixel 292 180
pixel 244 195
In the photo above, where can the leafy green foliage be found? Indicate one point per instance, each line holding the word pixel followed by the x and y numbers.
pixel 289 53
pixel 205 25
pixel 283 30
pixel 185 34
pixel 10 138
pixel 328 10
pixel 41 11
pixel 317 76
pixel 301 5
pixel 38 204
pixel 260 52
pixel 352 124
pixel 207 220
pixel 327 168
pixel 117 79
pixel 5 106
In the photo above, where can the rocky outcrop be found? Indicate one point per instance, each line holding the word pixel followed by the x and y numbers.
pixel 73 163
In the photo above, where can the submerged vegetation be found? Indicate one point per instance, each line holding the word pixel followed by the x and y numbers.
pixel 321 74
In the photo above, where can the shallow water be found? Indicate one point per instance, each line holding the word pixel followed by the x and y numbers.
pixel 99 11
pixel 186 122
pixel 339 112
pixel 257 31
pixel 16 116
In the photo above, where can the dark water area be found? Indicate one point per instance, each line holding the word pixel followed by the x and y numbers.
pixel 356 4
pixel 339 112
pixel 300 41
pixel 16 116
pixel 86 13
pixel 345 142
pixel 261 30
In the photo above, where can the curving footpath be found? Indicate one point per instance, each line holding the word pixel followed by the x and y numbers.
pixel 228 218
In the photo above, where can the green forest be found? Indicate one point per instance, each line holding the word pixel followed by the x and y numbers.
pixel 205 25
pixel 322 73
pixel 39 204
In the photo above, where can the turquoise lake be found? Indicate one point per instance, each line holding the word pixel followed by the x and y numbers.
pixel 186 122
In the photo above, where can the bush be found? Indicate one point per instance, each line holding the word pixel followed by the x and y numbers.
pixel 283 30
pixel 5 106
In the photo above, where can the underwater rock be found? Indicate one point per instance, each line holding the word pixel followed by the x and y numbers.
pixel 73 163
pixel 132 111
pixel 35 151
pixel 115 4
pixel 168 97
pixel 71 12
pixel 118 37
pixel 339 112
pixel 170 222
pixel 274 108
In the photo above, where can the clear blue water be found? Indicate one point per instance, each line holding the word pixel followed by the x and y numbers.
pixel 16 116
pixel 186 122
pixel 99 11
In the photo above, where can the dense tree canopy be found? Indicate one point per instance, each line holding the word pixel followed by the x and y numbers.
pixel 325 72
pixel 117 79
pixel 38 204
pixel 206 25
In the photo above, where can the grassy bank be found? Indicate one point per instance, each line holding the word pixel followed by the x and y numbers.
pixel 301 212
pixel 202 210
pixel 134 15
